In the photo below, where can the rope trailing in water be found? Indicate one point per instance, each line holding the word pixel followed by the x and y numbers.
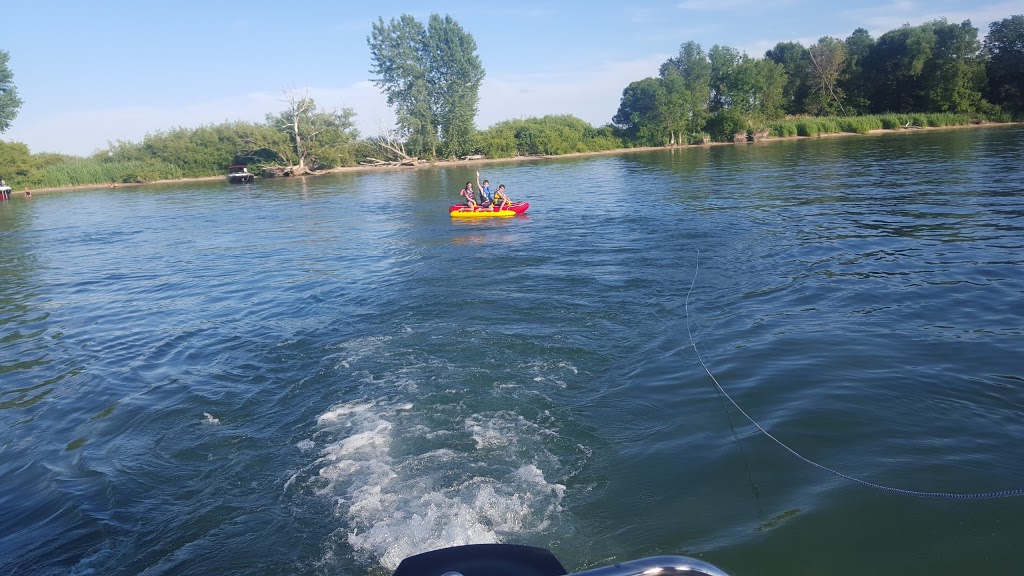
pixel 889 489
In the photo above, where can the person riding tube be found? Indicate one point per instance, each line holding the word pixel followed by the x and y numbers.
pixel 485 192
pixel 502 196
pixel 469 195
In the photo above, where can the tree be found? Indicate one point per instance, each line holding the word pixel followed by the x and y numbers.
pixel 1004 47
pixel 724 60
pixel 827 62
pixel 642 112
pixel 894 67
pixel 854 82
pixel 689 90
pixel 432 76
pixel 955 74
pixel 757 88
pixel 795 60
pixel 315 138
pixel 9 101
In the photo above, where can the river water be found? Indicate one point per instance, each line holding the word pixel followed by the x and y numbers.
pixel 325 375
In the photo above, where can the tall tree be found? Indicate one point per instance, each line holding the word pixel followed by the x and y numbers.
pixel 853 82
pixel 687 79
pixel 432 76
pixel 827 62
pixel 756 90
pixel 724 60
pixel 9 101
pixel 1004 47
pixel 955 74
pixel 795 60
pixel 643 113
pixel 894 67
pixel 315 137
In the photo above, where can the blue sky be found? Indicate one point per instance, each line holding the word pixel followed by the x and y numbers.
pixel 107 70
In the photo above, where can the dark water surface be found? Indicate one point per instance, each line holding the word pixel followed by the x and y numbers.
pixel 323 376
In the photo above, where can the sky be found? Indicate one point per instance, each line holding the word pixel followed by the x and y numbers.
pixel 93 73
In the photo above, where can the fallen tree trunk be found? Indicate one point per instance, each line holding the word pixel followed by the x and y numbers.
pixel 285 171
pixel 408 161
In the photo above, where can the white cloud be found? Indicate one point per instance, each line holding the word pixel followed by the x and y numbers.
pixel 881 19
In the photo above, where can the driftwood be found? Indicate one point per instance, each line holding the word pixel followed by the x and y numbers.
pixel 408 161
pixel 760 135
pixel 474 157
pixel 285 171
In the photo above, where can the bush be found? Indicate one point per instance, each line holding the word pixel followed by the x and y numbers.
pixel 555 134
pixel 724 125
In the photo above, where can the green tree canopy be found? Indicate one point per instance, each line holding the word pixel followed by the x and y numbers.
pixel 955 74
pixel 316 138
pixel 643 112
pixel 1004 47
pixel 9 101
pixel 431 76
pixel 827 62
pixel 795 61
pixel 687 79
pixel 853 81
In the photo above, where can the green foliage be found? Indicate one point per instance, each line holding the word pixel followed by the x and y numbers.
pixel 1004 46
pixel 15 162
pixel 307 136
pixel 726 124
pixel 853 81
pixel 672 108
pixel 782 129
pixel 499 141
pixel 936 66
pixel 79 171
pixel 858 124
pixel 642 112
pixel 795 61
pixel 816 125
pixel 827 62
pixel 554 134
pixel 9 100
pixel 432 76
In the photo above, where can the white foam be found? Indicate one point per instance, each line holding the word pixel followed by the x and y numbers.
pixel 397 506
pixel 210 419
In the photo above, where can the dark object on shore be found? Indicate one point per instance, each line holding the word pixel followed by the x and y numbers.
pixel 239 174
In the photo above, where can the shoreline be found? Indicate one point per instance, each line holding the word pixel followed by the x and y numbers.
pixel 515 159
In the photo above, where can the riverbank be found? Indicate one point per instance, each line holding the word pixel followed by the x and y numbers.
pixel 516 159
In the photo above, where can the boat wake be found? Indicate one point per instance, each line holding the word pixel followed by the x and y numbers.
pixel 420 461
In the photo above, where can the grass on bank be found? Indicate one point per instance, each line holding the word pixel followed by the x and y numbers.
pixel 816 126
pixel 80 171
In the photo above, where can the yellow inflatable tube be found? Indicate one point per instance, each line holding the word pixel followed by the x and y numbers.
pixel 482 214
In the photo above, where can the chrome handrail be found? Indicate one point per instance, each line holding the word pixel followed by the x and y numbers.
pixel 656 565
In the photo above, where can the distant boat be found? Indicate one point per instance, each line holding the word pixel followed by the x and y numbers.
pixel 5 192
pixel 239 174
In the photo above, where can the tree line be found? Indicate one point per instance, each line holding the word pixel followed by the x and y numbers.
pixel 431 76
pixel 938 67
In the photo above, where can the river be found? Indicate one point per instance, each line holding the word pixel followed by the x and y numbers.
pixel 326 375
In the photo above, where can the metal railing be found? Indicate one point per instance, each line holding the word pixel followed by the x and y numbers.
pixel 656 565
